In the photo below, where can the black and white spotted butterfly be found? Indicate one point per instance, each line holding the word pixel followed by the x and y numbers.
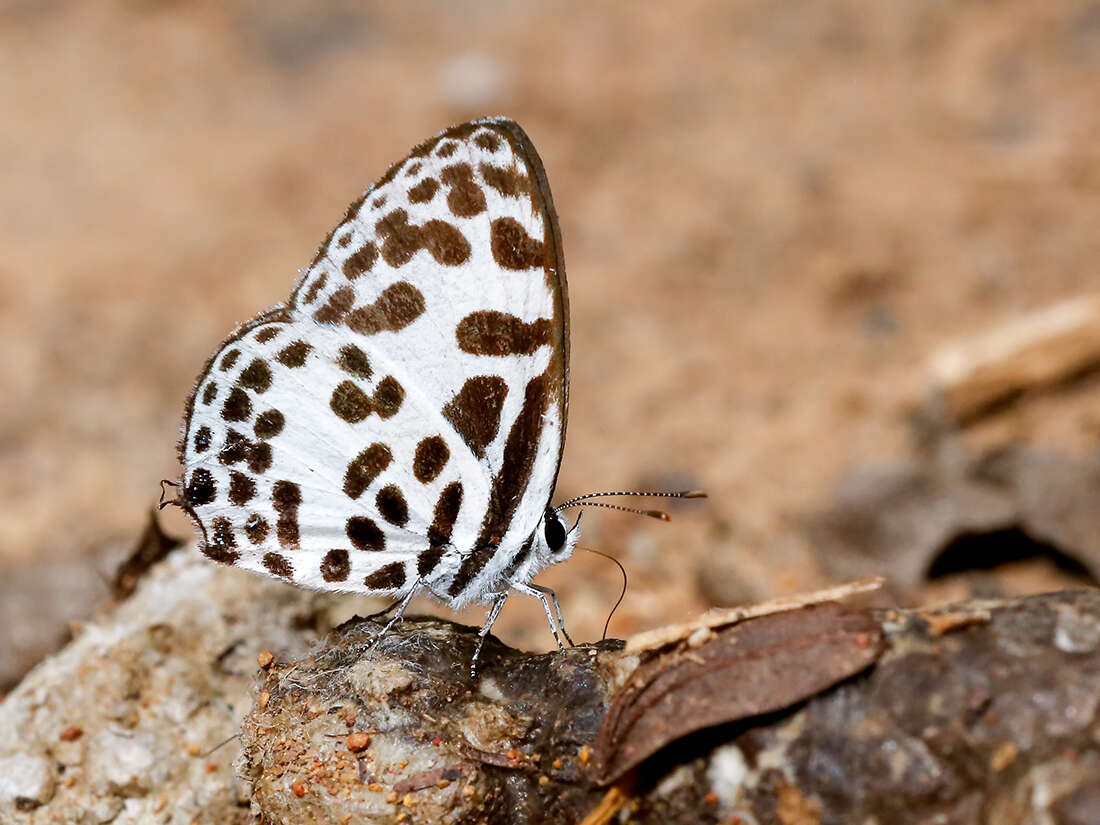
pixel 397 426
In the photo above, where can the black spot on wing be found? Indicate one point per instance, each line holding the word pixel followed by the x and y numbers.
pixel 520 451
pixel 388 577
pixel 475 410
pixel 336 566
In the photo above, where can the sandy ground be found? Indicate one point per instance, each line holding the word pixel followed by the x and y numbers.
pixel 772 214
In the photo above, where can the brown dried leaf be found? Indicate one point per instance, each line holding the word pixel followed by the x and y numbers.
pixel 712 619
pixel 755 667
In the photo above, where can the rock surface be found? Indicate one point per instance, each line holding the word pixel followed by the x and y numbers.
pixel 922 519
pixel 983 711
pixel 124 724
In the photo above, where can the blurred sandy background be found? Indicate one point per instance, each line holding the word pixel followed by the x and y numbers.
pixel 773 213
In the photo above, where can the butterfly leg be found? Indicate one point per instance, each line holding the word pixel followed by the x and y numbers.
pixel 494 611
pixel 546 591
pixel 400 605
pixel 540 594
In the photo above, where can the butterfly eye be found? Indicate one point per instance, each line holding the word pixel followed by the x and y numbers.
pixel 554 531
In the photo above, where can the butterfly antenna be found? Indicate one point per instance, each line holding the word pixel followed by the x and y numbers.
pixel 622 593
pixel 642 493
pixel 583 501
pixel 657 514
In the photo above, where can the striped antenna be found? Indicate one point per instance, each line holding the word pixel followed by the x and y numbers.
pixel 583 501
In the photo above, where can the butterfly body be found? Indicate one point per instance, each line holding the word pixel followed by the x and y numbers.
pixel 398 424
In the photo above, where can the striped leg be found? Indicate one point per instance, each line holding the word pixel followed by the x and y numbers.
pixel 540 593
pixel 494 611
pixel 557 609
pixel 400 605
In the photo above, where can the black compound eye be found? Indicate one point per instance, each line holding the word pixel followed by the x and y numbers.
pixel 554 531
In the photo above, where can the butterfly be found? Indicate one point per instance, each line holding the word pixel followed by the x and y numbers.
pixel 397 425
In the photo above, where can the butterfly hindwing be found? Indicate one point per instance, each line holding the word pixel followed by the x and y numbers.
pixel 401 419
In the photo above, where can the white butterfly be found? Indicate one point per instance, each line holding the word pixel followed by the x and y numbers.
pixel 398 425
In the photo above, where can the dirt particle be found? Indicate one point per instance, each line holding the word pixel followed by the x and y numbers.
pixel 1003 756
pixel 264 659
pixel 71 733
pixel 299 787
pixel 358 741
pixel 793 808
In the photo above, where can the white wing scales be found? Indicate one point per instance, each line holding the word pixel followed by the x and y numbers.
pixel 400 420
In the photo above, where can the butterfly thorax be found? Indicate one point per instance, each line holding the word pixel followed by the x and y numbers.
pixel 514 564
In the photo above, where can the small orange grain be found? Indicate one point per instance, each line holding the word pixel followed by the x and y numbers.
pixel 358 741
pixel 374 786
pixel 264 659
pixel 467 791
pixel 585 754
pixel 392 796
pixel 71 733
pixel 264 698
pixel 544 780
pixel 711 798
pixel 299 787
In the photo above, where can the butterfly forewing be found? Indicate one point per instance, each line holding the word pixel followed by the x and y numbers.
pixel 401 419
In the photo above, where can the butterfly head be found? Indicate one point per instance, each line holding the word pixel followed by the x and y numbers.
pixel 554 538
